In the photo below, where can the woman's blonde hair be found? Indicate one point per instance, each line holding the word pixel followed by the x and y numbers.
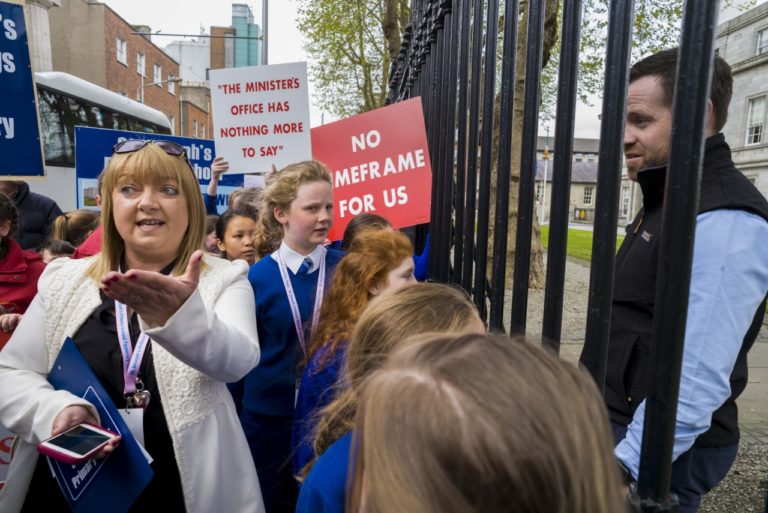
pixel 371 256
pixel 75 226
pixel 280 193
pixel 479 423
pixel 384 326
pixel 149 164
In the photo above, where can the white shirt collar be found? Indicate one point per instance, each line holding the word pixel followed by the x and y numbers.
pixel 293 259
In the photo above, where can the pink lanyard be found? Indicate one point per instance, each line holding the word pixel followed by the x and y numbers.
pixel 295 312
pixel 131 358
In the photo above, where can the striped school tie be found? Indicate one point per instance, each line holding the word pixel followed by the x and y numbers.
pixel 305 266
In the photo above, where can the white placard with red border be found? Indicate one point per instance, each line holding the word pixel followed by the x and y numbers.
pixel 261 116
pixel 380 164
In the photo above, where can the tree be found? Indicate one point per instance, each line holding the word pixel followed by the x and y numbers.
pixel 656 27
pixel 352 44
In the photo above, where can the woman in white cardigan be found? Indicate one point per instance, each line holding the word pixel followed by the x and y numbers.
pixel 194 317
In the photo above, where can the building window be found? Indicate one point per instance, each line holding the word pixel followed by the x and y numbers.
pixel 171 84
pixel 625 200
pixel 762 41
pixel 122 51
pixel 140 69
pixel 202 132
pixel 539 193
pixel 579 157
pixel 158 75
pixel 588 195
pixel 173 124
pixel 755 120
pixel 194 127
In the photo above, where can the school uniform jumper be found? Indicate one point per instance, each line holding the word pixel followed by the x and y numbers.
pixel 269 389
pixel 318 389
pixel 324 490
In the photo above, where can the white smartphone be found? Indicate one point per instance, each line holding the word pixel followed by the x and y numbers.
pixel 77 444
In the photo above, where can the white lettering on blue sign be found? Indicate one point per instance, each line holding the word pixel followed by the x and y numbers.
pixel 6 127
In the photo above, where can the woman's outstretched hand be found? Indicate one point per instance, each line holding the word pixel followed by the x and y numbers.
pixel 152 295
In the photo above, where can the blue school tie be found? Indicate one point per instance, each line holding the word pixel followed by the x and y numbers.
pixel 305 266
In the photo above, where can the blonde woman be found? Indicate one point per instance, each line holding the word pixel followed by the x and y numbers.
pixel 384 326
pixel 478 424
pixel 184 321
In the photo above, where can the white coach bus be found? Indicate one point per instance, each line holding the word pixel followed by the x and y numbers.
pixel 66 101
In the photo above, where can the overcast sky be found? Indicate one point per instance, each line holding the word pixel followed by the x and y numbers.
pixel 188 17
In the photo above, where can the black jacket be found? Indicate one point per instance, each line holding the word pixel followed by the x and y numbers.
pixel 36 216
pixel 722 187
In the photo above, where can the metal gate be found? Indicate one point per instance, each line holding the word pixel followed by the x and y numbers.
pixel 444 52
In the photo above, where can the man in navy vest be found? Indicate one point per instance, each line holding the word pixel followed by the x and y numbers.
pixel 729 282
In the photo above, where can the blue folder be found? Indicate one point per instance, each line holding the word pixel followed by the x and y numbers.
pixel 116 481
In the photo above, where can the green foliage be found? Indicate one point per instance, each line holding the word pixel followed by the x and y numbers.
pixel 656 27
pixel 579 242
pixel 347 43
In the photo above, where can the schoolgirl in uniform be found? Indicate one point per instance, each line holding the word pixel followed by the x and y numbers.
pixel 288 282
pixel 377 262
pixel 236 235
pixel 388 323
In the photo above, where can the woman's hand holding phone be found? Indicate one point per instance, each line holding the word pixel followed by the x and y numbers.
pixel 73 416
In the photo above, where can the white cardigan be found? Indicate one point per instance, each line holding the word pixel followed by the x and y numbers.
pixel 210 340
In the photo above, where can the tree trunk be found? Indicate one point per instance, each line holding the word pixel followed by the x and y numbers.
pixel 390 24
pixel 537 274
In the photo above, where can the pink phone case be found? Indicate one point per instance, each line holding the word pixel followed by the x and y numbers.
pixel 68 458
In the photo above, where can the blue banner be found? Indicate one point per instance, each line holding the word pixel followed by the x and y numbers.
pixel 19 129
pixel 93 148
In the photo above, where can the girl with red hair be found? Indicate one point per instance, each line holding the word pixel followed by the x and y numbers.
pixel 378 262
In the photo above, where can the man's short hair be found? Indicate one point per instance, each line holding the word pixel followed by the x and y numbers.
pixel 664 65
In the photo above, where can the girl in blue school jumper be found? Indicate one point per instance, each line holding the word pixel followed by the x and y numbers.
pixel 377 262
pixel 288 283
pixel 387 324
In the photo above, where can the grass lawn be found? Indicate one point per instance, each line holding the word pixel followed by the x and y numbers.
pixel 579 242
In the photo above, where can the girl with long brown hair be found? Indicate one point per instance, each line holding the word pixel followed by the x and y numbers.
pixel 479 424
pixel 378 262
pixel 384 326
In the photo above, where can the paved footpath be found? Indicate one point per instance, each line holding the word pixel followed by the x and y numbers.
pixel 744 489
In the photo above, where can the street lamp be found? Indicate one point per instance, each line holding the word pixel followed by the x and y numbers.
pixel 140 90
pixel 174 80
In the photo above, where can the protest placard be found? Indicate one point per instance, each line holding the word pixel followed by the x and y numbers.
pixel 93 148
pixel 20 143
pixel 380 163
pixel 261 116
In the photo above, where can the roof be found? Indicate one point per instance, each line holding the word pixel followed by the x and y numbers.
pixel 580 144
pixel 581 172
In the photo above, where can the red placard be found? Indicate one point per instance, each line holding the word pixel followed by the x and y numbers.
pixel 380 164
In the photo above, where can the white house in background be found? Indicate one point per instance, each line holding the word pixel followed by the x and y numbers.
pixel 743 43
pixel 583 196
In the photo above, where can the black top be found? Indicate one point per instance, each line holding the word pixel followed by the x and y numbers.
pixel 98 342
pixel 36 216
pixel 722 187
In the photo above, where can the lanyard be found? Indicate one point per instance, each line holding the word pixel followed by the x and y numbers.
pixel 131 358
pixel 295 312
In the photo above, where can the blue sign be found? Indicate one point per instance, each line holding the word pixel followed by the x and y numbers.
pixel 93 148
pixel 19 129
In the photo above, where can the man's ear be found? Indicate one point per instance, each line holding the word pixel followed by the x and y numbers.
pixel 709 120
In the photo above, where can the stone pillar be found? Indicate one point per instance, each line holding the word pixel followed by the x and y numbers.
pixel 39 33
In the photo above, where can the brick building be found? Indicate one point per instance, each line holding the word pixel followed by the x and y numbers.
pixel 91 41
